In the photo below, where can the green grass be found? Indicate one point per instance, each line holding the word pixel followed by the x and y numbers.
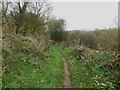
pixel 23 74
pixel 86 73
pixel 33 69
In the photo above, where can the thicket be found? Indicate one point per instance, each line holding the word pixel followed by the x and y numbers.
pixel 100 47
pixel 106 39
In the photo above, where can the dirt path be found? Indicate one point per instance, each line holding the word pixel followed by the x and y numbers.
pixel 67 80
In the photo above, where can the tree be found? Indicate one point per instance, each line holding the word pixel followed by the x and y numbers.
pixel 32 15
pixel 57 29
pixel 4 8
pixel 33 24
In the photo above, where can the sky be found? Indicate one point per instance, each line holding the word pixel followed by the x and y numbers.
pixel 86 15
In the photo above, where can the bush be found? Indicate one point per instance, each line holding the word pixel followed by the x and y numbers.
pixel 97 39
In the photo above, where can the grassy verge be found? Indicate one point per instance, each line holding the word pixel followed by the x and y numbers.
pixel 86 73
pixel 33 71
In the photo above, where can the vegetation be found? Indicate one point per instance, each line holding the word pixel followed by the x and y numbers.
pixel 97 39
pixel 32 41
pixel 57 28
pixel 42 72
pixel 92 70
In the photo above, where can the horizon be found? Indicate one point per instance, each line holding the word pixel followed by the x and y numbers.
pixel 91 15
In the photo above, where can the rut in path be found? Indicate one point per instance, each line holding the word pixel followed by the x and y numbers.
pixel 67 80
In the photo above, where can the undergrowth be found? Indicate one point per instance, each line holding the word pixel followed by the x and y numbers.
pixel 89 71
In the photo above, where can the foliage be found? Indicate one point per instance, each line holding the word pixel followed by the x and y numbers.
pixel 24 16
pixel 30 59
pixel 90 70
pixel 32 24
pixel 8 25
pixel 98 39
pixel 25 67
pixel 57 29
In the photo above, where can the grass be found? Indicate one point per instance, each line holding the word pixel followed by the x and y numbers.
pixel 28 75
pixel 31 68
pixel 86 73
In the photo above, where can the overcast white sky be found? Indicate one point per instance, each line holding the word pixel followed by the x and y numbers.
pixel 86 15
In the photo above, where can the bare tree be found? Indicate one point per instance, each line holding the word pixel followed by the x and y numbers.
pixel 4 9
pixel 42 9
pixel 39 8
pixel 19 10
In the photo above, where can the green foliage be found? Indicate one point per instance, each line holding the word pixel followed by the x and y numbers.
pixel 57 29
pixel 30 60
pixel 88 39
pixel 89 71
pixel 25 17
pixel 98 39
pixel 108 39
pixel 26 68
pixel 8 25
pixel 31 24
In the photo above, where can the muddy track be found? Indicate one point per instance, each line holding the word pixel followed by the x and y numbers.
pixel 67 80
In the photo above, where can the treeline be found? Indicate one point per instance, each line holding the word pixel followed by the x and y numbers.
pixel 31 18
pixel 106 39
